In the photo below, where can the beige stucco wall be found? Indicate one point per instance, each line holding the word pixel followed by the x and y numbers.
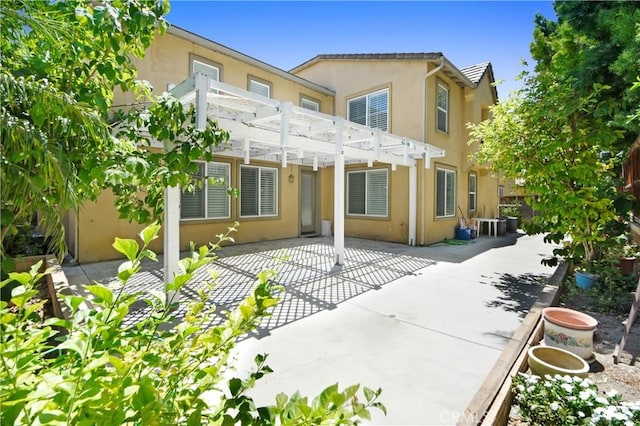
pixel 168 61
pixel 99 227
pixel 407 94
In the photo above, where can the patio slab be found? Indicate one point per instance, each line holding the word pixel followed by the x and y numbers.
pixel 424 323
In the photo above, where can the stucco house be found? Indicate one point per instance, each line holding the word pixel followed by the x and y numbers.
pixel 374 144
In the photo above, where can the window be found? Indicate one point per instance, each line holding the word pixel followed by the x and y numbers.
pixel 309 104
pixel 258 191
pixel 212 200
pixel 371 110
pixel 443 108
pixel 259 87
pixel 211 71
pixel 500 192
pixel 367 193
pixel 473 195
pixel 445 193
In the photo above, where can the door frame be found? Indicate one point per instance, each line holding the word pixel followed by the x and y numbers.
pixel 316 202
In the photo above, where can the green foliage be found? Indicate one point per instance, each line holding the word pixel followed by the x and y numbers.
pixel 612 292
pixel 570 400
pixel 60 64
pixel 565 133
pixel 95 368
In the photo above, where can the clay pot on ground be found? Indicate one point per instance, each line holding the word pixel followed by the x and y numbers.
pixel 549 360
pixel 570 330
pixel 626 265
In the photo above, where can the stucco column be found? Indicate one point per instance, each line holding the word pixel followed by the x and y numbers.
pixel 338 191
pixel 413 203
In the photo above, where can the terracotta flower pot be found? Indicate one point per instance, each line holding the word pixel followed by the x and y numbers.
pixel 626 265
pixel 548 360
pixel 570 330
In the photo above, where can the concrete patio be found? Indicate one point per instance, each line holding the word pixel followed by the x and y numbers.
pixel 424 323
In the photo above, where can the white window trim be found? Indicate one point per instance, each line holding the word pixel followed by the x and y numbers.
pixel 444 110
pixel 206 193
pixel 260 168
pixel 447 171
pixel 259 83
pixel 315 103
pixel 367 98
pixel 475 193
pixel 366 197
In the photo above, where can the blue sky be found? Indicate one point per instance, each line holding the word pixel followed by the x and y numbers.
pixel 287 33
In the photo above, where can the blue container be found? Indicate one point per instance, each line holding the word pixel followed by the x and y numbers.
pixel 585 280
pixel 463 234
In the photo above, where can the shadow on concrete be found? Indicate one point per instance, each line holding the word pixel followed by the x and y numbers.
pixel 306 269
pixel 518 293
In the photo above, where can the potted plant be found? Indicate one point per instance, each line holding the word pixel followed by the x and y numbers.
pixel 624 253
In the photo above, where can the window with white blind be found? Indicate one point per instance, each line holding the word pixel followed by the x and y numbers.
pixel 260 88
pixel 212 200
pixel 309 104
pixel 368 193
pixel 443 108
pixel 209 70
pixel 371 110
pixel 258 191
pixel 445 192
pixel 473 192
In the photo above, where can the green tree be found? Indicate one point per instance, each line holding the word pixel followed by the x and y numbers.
pixel 60 64
pixel 564 133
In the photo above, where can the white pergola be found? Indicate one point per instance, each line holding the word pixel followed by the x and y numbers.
pixel 267 129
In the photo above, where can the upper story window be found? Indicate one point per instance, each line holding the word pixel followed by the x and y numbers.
pixel 473 192
pixel 259 86
pixel 212 71
pixel 211 201
pixel 309 104
pixel 371 110
pixel 443 108
pixel 258 191
pixel 368 193
pixel 445 192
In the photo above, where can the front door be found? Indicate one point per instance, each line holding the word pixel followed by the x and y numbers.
pixel 308 218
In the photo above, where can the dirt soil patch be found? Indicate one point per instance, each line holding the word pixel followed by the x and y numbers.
pixel 624 376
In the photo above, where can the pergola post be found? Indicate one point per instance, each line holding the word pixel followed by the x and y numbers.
pixel 413 203
pixel 338 198
pixel 172 199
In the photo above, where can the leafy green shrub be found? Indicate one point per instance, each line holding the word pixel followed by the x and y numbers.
pixel 95 369
pixel 565 400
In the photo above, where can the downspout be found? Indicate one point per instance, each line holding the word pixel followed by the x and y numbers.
pixel 424 138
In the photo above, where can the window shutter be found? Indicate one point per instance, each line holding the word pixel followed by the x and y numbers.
pixel 450 199
pixel 358 110
pixel 473 184
pixel 208 70
pixel 377 193
pixel 356 182
pixel 378 110
pixel 440 192
pixel 217 197
pixel 309 104
pixel 259 88
pixel 268 192
pixel 192 203
pixel 248 191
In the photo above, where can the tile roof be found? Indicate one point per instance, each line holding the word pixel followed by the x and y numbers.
pixel 429 55
pixel 476 72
